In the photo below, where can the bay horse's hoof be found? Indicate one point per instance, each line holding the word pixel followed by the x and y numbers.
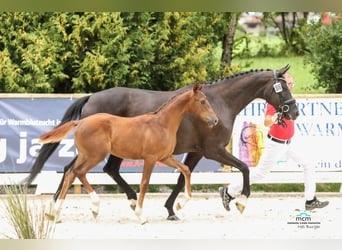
pixel 144 221
pixel 173 218
pixel 241 203
pixel 133 206
pixel 241 207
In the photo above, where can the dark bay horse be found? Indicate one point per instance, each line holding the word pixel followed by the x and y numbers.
pixel 151 137
pixel 228 96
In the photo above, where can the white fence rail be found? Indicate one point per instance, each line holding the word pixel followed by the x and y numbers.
pixel 48 181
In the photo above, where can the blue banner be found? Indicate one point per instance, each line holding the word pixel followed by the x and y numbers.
pixel 23 120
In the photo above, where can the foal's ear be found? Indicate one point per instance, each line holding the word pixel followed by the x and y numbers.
pixel 197 86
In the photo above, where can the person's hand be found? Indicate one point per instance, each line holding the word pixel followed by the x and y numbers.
pixel 275 118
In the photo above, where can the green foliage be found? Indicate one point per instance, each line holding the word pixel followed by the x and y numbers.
pixel 305 81
pixel 250 46
pixel 28 222
pixel 63 52
pixel 324 45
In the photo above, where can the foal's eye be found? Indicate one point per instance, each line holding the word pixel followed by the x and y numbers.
pixel 202 102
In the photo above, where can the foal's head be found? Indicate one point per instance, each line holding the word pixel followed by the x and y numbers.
pixel 201 107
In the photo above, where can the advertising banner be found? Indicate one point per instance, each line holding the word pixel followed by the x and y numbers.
pixel 23 120
pixel 318 133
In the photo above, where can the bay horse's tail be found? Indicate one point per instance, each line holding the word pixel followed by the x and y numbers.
pixel 57 134
pixel 72 113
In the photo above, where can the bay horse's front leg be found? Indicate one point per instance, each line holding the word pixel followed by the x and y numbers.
pixel 112 168
pixel 173 162
pixel 223 156
pixel 191 161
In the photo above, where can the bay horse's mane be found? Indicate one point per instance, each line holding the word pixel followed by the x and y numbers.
pixel 239 74
pixel 213 82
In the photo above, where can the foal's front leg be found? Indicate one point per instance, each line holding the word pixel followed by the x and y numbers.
pixel 173 162
pixel 145 180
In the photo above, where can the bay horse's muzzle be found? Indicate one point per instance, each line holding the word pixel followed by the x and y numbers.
pixel 289 109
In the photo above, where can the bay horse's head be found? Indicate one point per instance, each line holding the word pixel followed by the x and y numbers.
pixel 280 96
pixel 200 106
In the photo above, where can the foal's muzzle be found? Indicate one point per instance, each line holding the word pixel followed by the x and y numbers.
pixel 212 121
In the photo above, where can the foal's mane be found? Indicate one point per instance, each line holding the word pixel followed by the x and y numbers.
pixel 168 102
pixel 239 74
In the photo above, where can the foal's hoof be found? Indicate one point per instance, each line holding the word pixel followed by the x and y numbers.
pixel 53 218
pixel 95 214
pixel 50 217
pixel 173 218
pixel 241 207
pixel 178 206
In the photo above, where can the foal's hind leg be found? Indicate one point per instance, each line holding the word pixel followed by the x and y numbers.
pixel 66 168
pixel 81 170
pixel 173 162
pixel 95 200
pixel 68 179
pixel 53 202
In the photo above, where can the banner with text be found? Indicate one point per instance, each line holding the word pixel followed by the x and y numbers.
pixel 318 133
pixel 23 120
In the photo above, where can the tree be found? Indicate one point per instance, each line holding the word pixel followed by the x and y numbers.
pixel 24 57
pixel 289 25
pixel 228 42
pixel 65 52
pixel 324 45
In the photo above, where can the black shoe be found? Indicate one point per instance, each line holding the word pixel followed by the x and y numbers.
pixel 226 198
pixel 314 203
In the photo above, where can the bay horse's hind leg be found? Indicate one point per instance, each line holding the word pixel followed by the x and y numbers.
pixel 173 162
pixel 112 168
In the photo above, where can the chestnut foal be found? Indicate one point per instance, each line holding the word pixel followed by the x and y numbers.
pixel 151 137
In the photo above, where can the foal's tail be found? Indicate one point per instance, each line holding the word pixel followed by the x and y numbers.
pixel 72 113
pixel 57 134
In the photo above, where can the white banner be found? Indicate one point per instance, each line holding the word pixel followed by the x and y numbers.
pixel 318 133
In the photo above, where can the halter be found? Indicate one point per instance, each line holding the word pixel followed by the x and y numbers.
pixel 284 106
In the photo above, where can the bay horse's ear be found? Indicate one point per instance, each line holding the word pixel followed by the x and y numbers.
pixel 282 71
pixel 197 87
